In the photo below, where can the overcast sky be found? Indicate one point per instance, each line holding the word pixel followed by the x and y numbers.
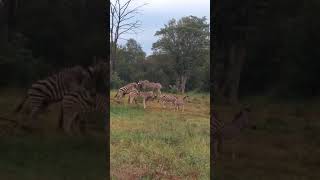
pixel 158 12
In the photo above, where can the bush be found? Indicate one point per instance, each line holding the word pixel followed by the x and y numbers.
pixel 116 82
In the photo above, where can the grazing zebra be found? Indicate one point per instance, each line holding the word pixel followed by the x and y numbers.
pixel 166 98
pixel 52 89
pixel 146 96
pixel 125 90
pixel 155 87
pixel 180 103
pixel 76 104
pixel 221 132
pixel 133 94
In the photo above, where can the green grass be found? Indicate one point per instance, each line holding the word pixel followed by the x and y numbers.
pixel 47 155
pixel 285 145
pixel 156 143
pixel 34 157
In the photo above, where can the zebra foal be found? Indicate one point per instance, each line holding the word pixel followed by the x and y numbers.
pixel 146 96
pixel 180 102
pixel 167 98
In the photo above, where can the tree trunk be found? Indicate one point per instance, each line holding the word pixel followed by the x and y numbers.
pixel 182 81
pixel 12 5
pixel 113 55
pixel 236 74
pixel 236 60
pixel 226 81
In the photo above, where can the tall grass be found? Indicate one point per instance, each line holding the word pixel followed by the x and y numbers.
pixel 285 144
pixel 47 155
pixel 156 143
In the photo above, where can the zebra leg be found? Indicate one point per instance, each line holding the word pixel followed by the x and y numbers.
pixel 163 106
pixel 219 145
pixel 135 100
pixel 144 103
pixel 34 116
pixel 69 122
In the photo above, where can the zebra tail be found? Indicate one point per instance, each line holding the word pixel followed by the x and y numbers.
pixel 116 95
pixel 19 107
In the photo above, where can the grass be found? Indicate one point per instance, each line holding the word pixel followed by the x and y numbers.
pixel 47 155
pixel 155 143
pixel 285 145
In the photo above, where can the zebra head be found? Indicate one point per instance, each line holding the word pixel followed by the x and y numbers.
pixel 142 84
pixel 186 98
pixel 75 77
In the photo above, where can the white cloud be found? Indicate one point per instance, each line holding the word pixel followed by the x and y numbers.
pixel 158 12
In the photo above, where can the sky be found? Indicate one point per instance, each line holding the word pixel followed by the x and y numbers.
pixel 157 13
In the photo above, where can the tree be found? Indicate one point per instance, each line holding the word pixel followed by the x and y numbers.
pixel 130 60
pixel 133 52
pixel 121 22
pixel 187 41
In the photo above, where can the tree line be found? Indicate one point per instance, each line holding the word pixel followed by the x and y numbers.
pixel 266 48
pixel 39 37
pixel 180 59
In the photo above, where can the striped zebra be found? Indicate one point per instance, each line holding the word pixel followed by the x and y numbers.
pixel 167 98
pixel 125 90
pixel 52 89
pixel 180 102
pixel 133 94
pixel 221 132
pixel 76 105
pixel 146 96
pixel 146 85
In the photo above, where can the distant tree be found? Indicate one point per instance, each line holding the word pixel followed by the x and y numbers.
pixel 121 22
pixel 187 42
pixel 133 51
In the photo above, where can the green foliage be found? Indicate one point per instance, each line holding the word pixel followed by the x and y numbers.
pixel 116 82
pixel 163 67
pixel 34 157
pixel 18 64
pixel 49 36
pixel 186 40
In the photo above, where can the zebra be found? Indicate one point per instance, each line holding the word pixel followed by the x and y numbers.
pixel 166 98
pixel 125 90
pixel 133 94
pixel 52 89
pixel 146 96
pixel 155 87
pixel 221 132
pixel 180 103
pixel 75 105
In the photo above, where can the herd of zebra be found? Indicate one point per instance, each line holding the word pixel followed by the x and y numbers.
pixel 75 89
pixel 149 91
